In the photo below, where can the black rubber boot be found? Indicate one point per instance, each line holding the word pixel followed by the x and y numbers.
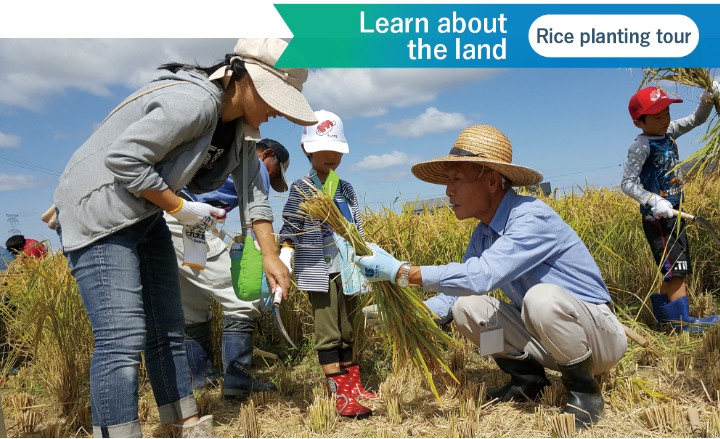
pixel 527 380
pixel 199 351
pixel 585 399
pixel 237 355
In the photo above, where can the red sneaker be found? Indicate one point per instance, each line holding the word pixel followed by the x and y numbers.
pixel 357 390
pixel 340 384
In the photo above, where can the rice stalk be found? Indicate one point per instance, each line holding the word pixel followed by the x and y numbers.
pixel 706 158
pixel 665 419
pixel 452 430
pixel 52 430
pixel 404 320
pixel 562 425
pixel 206 403
pixel 26 421
pixel 322 414
pixel 467 428
pixel 539 418
pixel 384 432
pixel 713 429
pixel 260 399
pixel 283 380
pixel 248 420
pixel 552 395
pixel 393 410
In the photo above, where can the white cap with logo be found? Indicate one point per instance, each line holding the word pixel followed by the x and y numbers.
pixel 327 135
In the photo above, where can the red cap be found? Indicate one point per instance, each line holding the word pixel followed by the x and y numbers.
pixel 34 248
pixel 649 100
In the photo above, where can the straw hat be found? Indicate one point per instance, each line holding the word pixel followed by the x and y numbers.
pixel 481 144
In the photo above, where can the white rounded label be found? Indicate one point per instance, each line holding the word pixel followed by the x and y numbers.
pixel 613 36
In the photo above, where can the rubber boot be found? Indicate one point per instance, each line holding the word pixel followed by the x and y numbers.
pixel 199 351
pixel 677 311
pixel 527 379
pixel 357 390
pixel 585 399
pixel 237 355
pixel 658 300
pixel 340 385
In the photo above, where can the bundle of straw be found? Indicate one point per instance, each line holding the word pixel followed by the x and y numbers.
pixel 704 162
pixel 404 320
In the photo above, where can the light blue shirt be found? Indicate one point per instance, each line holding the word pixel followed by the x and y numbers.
pixel 525 244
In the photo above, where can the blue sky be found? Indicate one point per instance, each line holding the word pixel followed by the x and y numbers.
pixel 571 125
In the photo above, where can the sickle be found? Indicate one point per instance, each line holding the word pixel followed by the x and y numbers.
pixel 700 220
pixel 276 315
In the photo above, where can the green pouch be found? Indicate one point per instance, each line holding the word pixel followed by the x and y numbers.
pixel 246 267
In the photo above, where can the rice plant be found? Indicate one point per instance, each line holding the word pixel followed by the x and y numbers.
pixel 248 420
pixel 404 319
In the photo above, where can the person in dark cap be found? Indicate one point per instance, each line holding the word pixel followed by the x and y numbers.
pixel 17 244
pixel 199 286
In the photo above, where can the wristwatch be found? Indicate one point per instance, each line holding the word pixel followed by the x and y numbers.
pixel 403 278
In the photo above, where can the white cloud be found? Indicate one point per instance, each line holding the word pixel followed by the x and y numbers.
pixel 32 70
pixel 429 122
pixel 370 92
pixel 15 182
pixel 9 140
pixel 376 162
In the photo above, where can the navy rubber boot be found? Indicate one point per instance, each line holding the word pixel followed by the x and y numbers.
pixel 237 355
pixel 658 300
pixel 199 351
pixel 676 312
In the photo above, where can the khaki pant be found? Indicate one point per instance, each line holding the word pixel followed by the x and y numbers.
pixel 334 313
pixel 198 287
pixel 554 327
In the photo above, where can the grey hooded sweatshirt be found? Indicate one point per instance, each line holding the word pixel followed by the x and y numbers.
pixel 155 142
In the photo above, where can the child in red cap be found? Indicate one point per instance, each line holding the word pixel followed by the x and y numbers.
pixel 651 178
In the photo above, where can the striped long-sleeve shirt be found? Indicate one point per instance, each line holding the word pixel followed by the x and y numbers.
pixel 311 272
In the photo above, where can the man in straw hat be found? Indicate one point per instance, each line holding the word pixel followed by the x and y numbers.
pixel 560 314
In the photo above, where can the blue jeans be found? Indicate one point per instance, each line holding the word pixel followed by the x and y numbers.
pixel 129 283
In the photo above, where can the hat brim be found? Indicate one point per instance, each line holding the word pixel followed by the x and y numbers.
pixel 326 145
pixel 281 96
pixel 435 170
pixel 279 183
pixel 660 105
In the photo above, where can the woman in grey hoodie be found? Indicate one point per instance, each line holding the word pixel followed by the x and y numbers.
pixel 109 208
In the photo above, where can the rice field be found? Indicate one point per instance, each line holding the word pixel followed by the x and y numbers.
pixel 669 389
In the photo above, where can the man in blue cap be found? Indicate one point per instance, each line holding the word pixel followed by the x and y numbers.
pixel 199 286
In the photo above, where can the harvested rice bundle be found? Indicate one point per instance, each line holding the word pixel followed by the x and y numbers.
pixel 705 160
pixel 404 320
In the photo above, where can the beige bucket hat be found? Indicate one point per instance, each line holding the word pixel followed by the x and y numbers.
pixel 279 88
pixel 481 144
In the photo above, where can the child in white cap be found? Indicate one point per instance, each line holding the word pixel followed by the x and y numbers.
pixel 321 262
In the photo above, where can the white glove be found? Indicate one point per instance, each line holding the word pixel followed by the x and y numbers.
pixel 192 213
pixel 194 247
pixel 707 95
pixel 286 254
pixel 661 207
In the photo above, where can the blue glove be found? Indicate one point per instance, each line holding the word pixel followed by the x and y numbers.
pixel 380 266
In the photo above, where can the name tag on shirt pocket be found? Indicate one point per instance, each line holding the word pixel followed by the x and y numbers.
pixel 491 342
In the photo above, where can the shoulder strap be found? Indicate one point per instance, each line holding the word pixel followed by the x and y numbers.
pixel 133 97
